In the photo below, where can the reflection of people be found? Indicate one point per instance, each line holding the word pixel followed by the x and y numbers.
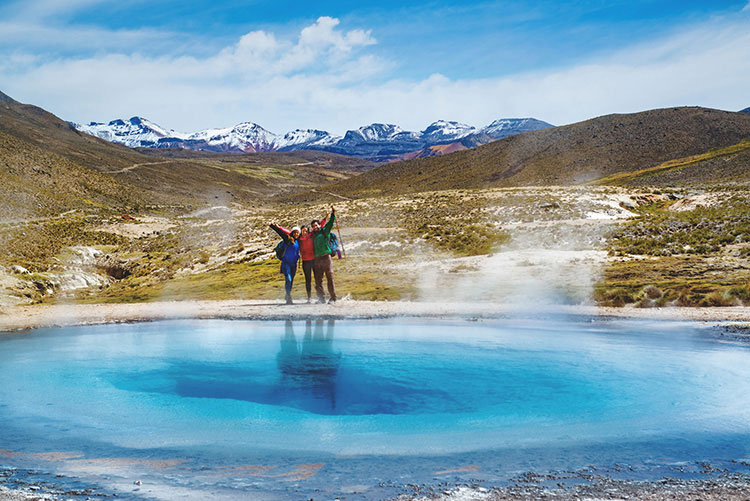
pixel 319 361
pixel 288 357
pixel 315 366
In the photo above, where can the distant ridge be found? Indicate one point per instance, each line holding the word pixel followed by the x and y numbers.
pixel 746 110
pixel 5 98
pixel 377 142
pixel 582 153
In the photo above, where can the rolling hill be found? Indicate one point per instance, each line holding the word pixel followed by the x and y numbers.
pixel 46 165
pixel 581 153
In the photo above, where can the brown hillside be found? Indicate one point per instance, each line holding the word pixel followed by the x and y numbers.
pixel 571 154
pixel 300 158
pixel 45 130
pixel 171 176
pixel 38 183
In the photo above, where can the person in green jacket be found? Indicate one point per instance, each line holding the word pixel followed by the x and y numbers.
pixel 323 264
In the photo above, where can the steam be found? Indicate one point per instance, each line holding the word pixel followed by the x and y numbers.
pixel 555 256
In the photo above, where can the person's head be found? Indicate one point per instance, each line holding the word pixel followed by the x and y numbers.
pixel 304 231
pixel 295 232
pixel 315 225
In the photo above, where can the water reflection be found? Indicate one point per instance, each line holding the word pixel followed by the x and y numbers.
pixel 311 365
pixel 307 373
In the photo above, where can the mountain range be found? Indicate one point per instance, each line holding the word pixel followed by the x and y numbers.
pixel 681 146
pixel 47 166
pixel 376 142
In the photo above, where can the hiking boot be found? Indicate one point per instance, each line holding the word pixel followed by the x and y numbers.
pixel 331 301
pixel 289 301
pixel 309 301
pixel 321 301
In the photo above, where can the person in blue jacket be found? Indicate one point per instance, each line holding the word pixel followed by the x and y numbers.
pixel 289 257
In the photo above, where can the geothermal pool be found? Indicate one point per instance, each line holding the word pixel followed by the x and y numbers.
pixel 322 408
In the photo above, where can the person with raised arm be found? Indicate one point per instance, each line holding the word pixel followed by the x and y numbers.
pixel 323 264
pixel 289 257
pixel 307 253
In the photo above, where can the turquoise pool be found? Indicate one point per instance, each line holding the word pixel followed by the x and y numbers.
pixel 281 409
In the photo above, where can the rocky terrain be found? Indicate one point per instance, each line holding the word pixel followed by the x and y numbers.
pixel 579 245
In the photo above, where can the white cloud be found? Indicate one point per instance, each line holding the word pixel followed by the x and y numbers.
pixel 42 38
pixel 38 10
pixel 318 44
pixel 746 8
pixel 326 78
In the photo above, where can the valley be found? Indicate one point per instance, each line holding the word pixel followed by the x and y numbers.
pixel 606 212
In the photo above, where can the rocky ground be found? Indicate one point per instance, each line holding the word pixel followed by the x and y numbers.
pixel 714 484
pixel 44 315
pixel 588 486
pixel 568 245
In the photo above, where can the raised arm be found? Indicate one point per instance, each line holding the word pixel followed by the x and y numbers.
pixel 329 225
pixel 284 235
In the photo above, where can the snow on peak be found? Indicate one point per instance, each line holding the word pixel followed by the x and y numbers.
pixel 133 132
pixel 307 137
pixel 378 132
pixel 508 126
pixel 377 140
pixel 444 129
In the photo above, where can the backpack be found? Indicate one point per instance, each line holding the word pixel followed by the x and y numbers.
pixel 333 243
pixel 279 250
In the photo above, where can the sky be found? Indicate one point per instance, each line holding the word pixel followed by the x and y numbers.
pixel 339 65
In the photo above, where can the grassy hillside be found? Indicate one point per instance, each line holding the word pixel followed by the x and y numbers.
pixel 572 154
pixel 37 183
pixel 302 158
pixel 182 177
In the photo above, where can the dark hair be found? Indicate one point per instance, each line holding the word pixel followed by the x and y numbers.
pixel 314 221
pixel 304 227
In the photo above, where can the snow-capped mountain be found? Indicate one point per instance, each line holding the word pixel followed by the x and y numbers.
pixel 297 137
pixel 136 132
pixel 378 133
pixel 246 137
pixel 505 127
pixel 379 142
pixel 442 130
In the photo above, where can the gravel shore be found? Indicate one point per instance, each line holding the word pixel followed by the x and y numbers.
pixel 43 315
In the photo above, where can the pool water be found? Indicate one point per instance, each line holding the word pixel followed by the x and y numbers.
pixel 277 408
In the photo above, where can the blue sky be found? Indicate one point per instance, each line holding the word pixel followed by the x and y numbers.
pixel 338 65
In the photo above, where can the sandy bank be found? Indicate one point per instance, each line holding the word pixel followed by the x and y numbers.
pixel 26 317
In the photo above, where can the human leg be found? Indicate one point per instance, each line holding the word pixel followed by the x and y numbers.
pixel 318 270
pixel 289 271
pixel 326 266
pixel 307 268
